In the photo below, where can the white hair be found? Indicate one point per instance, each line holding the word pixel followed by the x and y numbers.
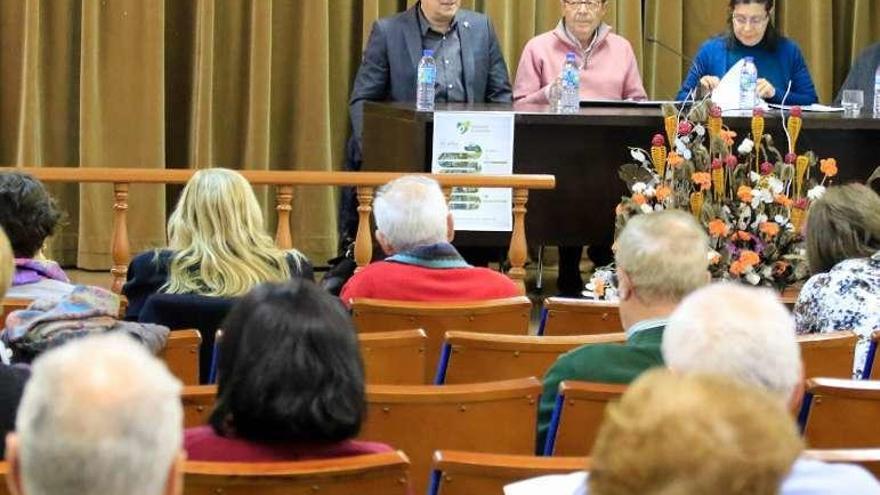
pixel 740 332
pixel 99 416
pixel 665 255
pixel 411 211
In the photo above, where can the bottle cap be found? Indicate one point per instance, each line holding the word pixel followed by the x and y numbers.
pixel 570 56
pixel 427 53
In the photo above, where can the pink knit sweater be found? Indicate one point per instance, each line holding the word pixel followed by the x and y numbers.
pixel 610 73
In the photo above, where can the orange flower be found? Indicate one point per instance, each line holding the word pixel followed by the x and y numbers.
pixel 598 286
pixel 618 210
pixel 716 258
pixel 828 167
pixel 749 258
pixel 743 235
pixel 783 200
pixel 770 228
pixel 663 192
pixel 744 193
pixel 639 199
pixel 737 268
pixel 674 159
pixel 717 228
pixel 727 136
pixel 704 179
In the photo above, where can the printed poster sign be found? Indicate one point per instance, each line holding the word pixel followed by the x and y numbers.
pixel 476 143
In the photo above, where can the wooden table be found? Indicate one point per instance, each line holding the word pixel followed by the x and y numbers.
pixel 584 152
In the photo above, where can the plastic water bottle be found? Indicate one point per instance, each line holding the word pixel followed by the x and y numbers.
pixel 877 92
pixel 571 85
pixel 748 85
pixel 425 85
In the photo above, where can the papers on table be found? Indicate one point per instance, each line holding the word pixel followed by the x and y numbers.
pixel 726 94
pixel 815 107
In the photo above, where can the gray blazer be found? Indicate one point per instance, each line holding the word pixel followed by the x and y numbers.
pixel 391 59
pixel 861 76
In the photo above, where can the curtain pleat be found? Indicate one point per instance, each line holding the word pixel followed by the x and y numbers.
pixel 264 84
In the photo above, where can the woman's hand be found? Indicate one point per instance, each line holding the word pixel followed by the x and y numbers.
pixel 765 89
pixel 709 83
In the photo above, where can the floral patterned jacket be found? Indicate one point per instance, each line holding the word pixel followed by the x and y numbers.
pixel 845 298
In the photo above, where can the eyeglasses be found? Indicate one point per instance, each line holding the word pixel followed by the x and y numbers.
pixel 741 20
pixel 589 4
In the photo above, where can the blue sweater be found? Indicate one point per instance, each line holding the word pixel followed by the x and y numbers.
pixel 784 64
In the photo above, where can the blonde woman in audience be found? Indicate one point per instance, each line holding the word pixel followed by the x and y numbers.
pixel 29 215
pixel 12 378
pixel 217 245
pixel 843 251
pixel 684 435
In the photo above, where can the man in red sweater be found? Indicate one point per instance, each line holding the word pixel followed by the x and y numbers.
pixel 414 228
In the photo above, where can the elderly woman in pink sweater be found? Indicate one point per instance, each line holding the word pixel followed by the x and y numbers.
pixel 607 63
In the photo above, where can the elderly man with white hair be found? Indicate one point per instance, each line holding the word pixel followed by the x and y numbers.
pixel 748 335
pixel 99 416
pixel 414 228
pixel 661 257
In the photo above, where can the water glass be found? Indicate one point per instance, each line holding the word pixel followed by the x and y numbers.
pixel 852 101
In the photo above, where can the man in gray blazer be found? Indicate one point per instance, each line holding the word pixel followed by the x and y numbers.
pixel 470 67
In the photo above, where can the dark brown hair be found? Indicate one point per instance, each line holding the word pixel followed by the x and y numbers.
pixel 28 214
pixel 843 224
pixel 771 35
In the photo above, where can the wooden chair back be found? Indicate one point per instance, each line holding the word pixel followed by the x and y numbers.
pixel 867 458
pixel 872 364
pixel 372 474
pixel 580 409
pixel 465 473
pixel 469 357
pixel 828 355
pixel 566 316
pixel 4 471
pixel 510 316
pixel 841 414
pixel 181 355
pixel 198 402
pixel 494 417
pixel 11 304
pixel 394 358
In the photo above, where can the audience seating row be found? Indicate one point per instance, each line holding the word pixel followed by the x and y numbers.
pixel 454 473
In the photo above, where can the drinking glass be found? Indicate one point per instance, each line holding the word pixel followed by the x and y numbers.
pixel 852 101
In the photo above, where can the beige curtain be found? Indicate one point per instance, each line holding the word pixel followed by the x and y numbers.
pixel 263 84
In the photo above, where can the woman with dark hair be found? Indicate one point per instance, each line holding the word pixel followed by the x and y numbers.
pixel 29 215
pixel 290 381
pixel 843 251
pixel 751 33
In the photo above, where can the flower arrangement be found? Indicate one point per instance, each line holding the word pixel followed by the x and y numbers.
pixel 751 199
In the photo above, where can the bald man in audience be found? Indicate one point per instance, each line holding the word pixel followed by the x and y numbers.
pixel 414 228
pixel 100 416
pixel 661 257
pixel 748 335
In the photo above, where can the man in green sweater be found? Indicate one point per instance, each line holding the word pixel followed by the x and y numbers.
pixel 661 257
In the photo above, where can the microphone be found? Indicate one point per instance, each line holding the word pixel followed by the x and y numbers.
pixel 651 39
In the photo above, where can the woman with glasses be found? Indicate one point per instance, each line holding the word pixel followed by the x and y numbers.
pixel 752 34
pixel 608 67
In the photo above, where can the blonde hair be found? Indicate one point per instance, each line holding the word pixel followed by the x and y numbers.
pixel 217 233
pixel 693 434
pixel 7 267
pixel 665 254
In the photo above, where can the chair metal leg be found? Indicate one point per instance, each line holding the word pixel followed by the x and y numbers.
pixel 539 283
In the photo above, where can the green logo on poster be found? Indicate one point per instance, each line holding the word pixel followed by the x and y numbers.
pixel 463 126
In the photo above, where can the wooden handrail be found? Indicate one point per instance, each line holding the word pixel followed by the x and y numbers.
pixel 279 177
pixel 284 180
